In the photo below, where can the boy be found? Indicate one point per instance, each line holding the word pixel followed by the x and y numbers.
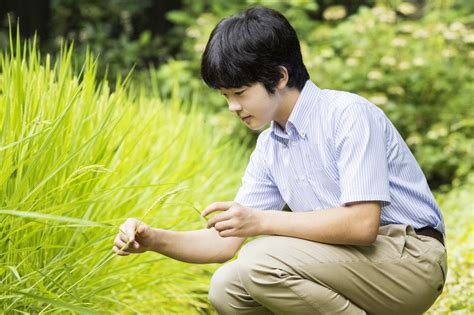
pixel 364 235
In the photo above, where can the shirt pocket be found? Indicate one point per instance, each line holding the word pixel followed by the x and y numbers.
pixel 325 188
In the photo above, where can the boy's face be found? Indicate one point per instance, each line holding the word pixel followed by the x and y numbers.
pixel 253 104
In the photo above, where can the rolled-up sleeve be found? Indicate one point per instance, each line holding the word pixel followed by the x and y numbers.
pixel 258 188
pixel 361 155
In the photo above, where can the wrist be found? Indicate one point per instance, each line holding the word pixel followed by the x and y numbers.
pixel 157 239
pixel 263 226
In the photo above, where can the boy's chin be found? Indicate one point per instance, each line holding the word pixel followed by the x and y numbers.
pixel 256 126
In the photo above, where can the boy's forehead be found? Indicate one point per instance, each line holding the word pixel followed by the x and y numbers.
pixel 235 89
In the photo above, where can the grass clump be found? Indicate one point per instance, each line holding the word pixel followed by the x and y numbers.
pixel 76 160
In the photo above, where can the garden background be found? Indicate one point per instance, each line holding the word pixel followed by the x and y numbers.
pixel 85 142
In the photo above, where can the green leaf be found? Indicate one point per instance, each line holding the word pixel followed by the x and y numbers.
pixel 72 307
pixel 52 217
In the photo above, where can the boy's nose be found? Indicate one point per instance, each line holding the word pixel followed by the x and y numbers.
pixel 234 105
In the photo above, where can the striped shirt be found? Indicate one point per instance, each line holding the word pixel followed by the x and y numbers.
pixel 338 148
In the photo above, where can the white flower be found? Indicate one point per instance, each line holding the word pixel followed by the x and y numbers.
pixel 335 12
pixel 359 28
pixel 440 27
pixel 370 24
pixel 436 133
pixel 358 53
pixel 379 99
pixel 384 14
pixel 448 52
pixel 421 33
pixel 406 28
pixel 193 32
pixel 416 139
pixel 199 47
pixel 432 135
pixel 457 27
pixel 419 61
pixel 396 90
pixel 448 35
pixel 202 21
pixel 388 60
pixel 399 42
pixel 352 61
pixel 468 38
pixel 374 75
pixel 407 8
pixel 404 65
pixel 317 60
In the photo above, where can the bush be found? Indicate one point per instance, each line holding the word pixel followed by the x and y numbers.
pixel 459 215
pixel 417 72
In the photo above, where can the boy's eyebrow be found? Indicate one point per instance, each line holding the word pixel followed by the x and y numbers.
pixel 240 91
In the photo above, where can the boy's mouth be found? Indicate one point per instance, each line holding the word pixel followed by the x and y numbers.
pixel 246 118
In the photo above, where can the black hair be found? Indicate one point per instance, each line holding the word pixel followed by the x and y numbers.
pixel 250 47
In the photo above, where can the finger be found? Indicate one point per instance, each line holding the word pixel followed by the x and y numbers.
pixel 131 232
pixel 217 206
pixel 218 218
pixel 228 233
pixel 127 233
pixel 141 229
pixel 224 225
pixel 117 250
pixel 120 244
pixel 130 227
pixel 123 237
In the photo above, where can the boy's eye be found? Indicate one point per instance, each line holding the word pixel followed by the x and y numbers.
pixel 236 93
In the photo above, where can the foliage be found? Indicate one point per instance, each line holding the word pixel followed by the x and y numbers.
pixel 419 73
pixel 118 31
pixel 77 159
pixel 458 211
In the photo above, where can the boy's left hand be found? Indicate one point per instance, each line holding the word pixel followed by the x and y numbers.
pixel 234 220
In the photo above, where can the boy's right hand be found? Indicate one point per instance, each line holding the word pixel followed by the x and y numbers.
pixel 134 237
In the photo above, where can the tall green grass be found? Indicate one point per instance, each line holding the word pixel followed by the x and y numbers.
pixel 76 160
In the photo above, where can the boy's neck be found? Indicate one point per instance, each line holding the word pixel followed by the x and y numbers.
pixel 289 98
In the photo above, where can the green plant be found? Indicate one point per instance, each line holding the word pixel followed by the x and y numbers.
pixel 77 160
pixel 459 217
pixel 417 71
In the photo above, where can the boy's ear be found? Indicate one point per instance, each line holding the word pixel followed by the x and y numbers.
pixel 283 78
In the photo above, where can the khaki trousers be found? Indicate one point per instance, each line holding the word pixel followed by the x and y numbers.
pixel 401 273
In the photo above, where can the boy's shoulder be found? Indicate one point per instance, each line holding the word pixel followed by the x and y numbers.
pixel 339 100
pixel 328 107
pixel 334 104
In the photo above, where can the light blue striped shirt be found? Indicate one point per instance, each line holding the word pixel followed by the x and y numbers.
pixel 338 148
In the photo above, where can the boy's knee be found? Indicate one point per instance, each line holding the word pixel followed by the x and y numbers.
pixel 258 270
pixel 220 282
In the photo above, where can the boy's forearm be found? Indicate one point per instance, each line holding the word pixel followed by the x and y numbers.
pixel 198 246
pixel 348 226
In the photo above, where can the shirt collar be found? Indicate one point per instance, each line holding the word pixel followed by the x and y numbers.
pixel 298 121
